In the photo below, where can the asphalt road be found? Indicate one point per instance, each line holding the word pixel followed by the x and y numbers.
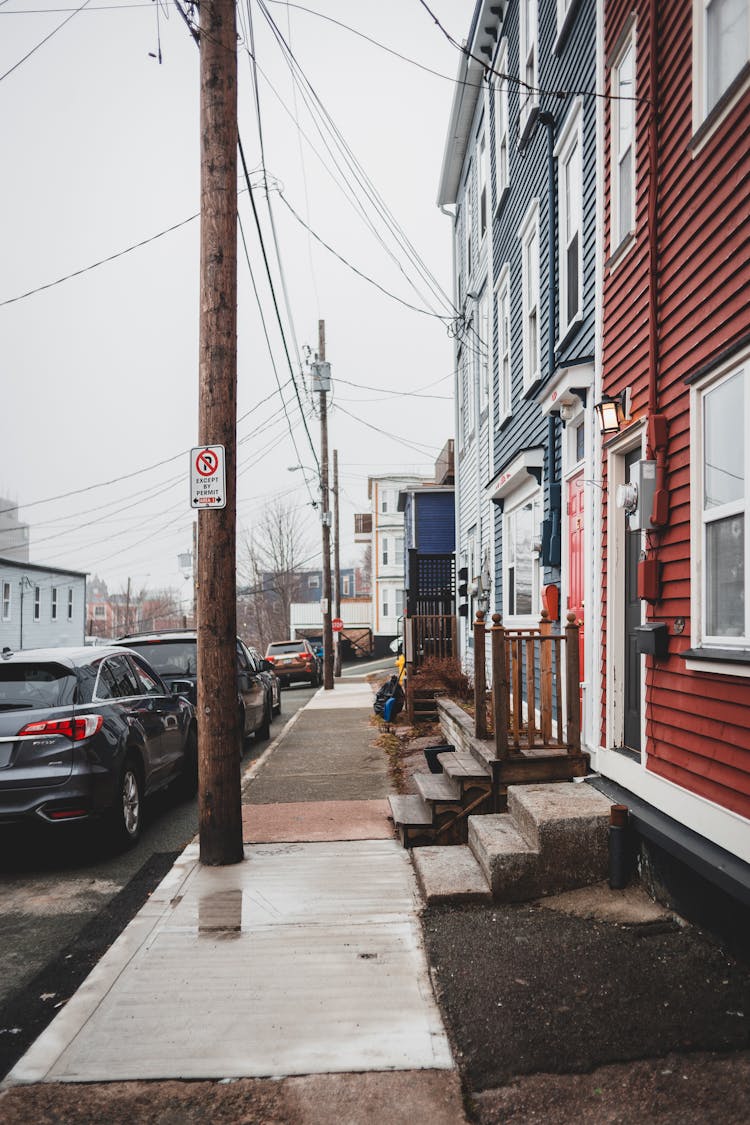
pixel 64 898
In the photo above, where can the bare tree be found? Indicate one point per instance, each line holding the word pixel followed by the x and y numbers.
pixel 269 569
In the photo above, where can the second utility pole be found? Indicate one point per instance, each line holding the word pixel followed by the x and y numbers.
pixel 326 518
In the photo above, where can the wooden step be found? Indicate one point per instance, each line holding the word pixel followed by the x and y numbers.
pixel 464 767
pixel 437 789
pixel 410 811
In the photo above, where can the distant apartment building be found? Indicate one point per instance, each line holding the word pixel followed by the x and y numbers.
pixel 14 534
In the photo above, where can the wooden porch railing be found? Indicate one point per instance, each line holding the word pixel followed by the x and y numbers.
pixel 528 669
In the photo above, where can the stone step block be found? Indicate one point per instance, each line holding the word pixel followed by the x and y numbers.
pixel 568 822
pixel 509 863
pixel 450 874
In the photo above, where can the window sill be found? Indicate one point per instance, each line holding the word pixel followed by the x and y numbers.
pixel 501 200
pixel 718 661
pixel 621 251
pixel 564 28
pixel 569 331
pixel 527 126
pixel 718 115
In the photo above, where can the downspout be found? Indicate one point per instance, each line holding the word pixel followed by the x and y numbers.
pixel 656 440
pixel 551 541
pixel 457 526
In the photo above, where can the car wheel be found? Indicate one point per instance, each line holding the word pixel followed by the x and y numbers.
pixel 315 680
pixel 264 730
pixel 127 812
pixel 188 779
pixel 277 708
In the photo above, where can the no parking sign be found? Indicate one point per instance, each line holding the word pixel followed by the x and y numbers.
pixel 208 485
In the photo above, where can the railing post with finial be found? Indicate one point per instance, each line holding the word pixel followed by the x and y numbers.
pixel 499 687
pixel 572 687
pixel 480 678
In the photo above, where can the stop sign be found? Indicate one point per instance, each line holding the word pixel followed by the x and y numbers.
pixel 337 624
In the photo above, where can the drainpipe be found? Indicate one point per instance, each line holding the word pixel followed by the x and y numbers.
pixel 657 423
pixel 552 541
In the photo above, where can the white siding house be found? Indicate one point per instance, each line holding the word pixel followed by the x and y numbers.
pixel 40 606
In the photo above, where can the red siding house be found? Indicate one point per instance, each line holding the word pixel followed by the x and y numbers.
pixel 675 356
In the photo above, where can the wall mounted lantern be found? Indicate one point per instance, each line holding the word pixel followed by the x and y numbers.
pixel 612 412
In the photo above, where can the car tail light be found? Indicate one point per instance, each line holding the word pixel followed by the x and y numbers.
pixel 271 659
pixel 308 656
pixel 82 726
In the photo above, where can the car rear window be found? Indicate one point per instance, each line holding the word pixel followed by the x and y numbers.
pixel 26 686
pixel 169 658
pixel 286 646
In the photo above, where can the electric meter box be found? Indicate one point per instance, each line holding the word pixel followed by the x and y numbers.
pixel 643 476
pixel 321 376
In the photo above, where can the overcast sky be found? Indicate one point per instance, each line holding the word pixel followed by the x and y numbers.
pixel 101 152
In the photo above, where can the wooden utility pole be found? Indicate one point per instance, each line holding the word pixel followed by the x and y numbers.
pixel 219 805
pixel 326 518
pixel 336 563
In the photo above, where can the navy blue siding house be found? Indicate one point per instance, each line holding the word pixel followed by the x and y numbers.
pixel 520 170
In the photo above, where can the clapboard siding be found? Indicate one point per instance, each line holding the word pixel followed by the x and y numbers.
pixel 697 724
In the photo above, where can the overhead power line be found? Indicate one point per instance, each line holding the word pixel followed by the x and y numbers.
pixel 46 39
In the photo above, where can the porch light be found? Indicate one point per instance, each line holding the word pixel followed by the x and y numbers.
pixel 612 412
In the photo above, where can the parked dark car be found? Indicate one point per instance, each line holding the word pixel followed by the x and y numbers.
pixel 294 661
pixel 89 732
pixel 270 677
pixel 174 655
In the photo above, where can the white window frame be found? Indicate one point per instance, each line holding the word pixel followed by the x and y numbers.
pixel 530 492
pixel 739 366
pixel 482 194
pixel 623 139
pixel 384 551
pixel 7 601
pixel 504 353
pixel 53 604
pixel 384 601
pixel 702 110
pixel 528 59
pixel 569 155
pixel 399 600
pixel 313 581
pixel 37 603
pixel 345 585
pixel 502 141
pixel 528 235
pixel 469 221
pixel 482 342
pixel 100 612
pixel 398 550
pixel 70 603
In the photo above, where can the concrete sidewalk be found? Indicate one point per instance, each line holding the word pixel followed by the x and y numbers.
pixel 305 959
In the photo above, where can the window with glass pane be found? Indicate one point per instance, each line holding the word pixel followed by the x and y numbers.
pixel 727 29
pixel 385 552
pixel 6 601
pixel 623 145
pixel 529 93
pixel 70 604
pixel 522 564
pixel 503 344
pixel 399 603
pixel 531 290
pixel 572 221
pixel 724 507
pixel 37 603
pixel 399 549
pixel 501 126
pixel 386 595
pixel 482 169
pixel 483 349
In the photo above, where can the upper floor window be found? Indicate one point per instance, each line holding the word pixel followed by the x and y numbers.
pixel 384 551
pixel 100 611
pixel 570 209
pixel 723 493
pixel 387 502
pixel 37 603
pixel 469 220
pixel 483 350
pixel 313 581
pixel 721 48
pixel 529 59
pixel 502 175
pixel 345 585
pixel 482 185
pixel 622 218
pixel 529 236
pixel 398 548
pixel 502 306
pixel 6 601
pixel 54 603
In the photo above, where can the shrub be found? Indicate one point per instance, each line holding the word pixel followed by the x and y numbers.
pixel 444 674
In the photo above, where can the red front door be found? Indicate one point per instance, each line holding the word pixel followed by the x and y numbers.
pixel 575 556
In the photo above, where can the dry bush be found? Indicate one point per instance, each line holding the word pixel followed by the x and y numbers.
pixel 444 674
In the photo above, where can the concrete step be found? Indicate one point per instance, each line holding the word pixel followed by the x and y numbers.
pixel 509 863
pixel 437 788
pixel 568 823
pixel 450 874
